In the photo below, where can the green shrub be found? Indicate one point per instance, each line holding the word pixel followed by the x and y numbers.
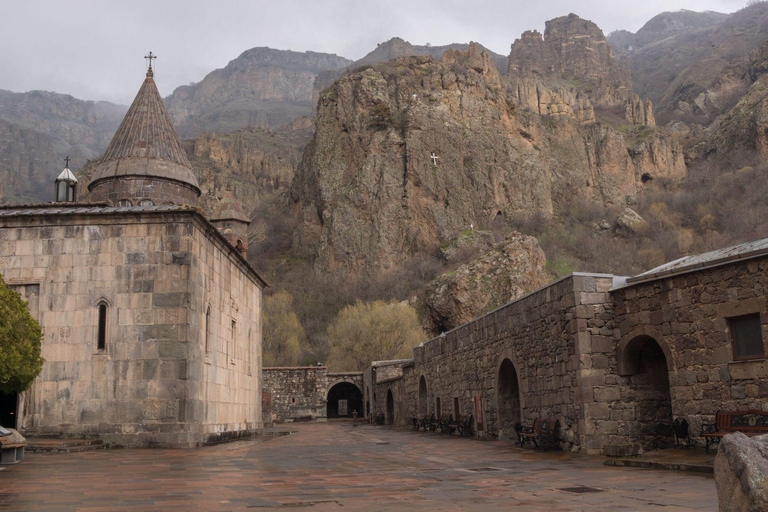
pixel 20 336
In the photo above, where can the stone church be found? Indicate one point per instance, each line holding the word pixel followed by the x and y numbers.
pixel 150 312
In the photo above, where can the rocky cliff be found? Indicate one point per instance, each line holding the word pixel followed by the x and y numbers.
pixel 573 61
pixel 394 48
pixel 38 129
pixel 697 71
pixel 263 88
pixel 369 193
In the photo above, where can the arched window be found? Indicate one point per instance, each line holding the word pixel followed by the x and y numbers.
pixel 249 348
pixel 146 202
pixel 101 343
pixel 207 328
pixel 124 203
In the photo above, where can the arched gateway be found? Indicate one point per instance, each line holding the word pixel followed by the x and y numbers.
pixel 344 399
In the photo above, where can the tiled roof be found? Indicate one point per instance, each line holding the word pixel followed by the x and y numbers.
pixel 714 258
pixel 146 144
pixel 230 208
pixel 32 210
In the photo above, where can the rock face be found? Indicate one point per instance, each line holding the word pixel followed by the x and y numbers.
pixel 470 240
pixel 38 129
pixel 394 48
pixel 741 473
pixel 262 88
pixel 574 54
pixel 694 66
pixel 501 275
pixel 368 193
pixel 662 26
pixel 569 45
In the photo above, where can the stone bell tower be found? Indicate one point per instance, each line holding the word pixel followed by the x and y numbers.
pixel 232 222
pixel 145 164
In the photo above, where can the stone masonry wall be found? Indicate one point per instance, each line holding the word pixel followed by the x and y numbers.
pixel 137 390
pixel 544 335
pixel 687 316
pixel 297 393
pixel 134 190
pixel 301 393
pixel 225 390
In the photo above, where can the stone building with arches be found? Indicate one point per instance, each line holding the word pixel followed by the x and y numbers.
pixel 151 314
pixel 612 359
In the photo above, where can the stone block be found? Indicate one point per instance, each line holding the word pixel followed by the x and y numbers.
pixel 607 394
pixel 623 450
pixel 172 350
pixel 170 300
pixel 741 473
pixel 158 332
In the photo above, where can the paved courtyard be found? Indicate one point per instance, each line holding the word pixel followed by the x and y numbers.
pixel 335 466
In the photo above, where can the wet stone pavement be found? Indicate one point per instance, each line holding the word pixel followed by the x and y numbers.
pixel 335 466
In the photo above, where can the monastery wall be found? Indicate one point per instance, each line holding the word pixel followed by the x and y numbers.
pixel 224 353
pixel 518 363
pixel 297 393
pixel 142 388
pixel 689 317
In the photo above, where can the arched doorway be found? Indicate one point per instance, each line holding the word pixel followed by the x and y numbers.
pixel 423 402
pixel 643 362
pixel 509 397
pixel 344 399
pixel 390 408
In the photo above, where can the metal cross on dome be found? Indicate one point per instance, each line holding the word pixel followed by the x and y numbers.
pixel 149 58
pixel 66 162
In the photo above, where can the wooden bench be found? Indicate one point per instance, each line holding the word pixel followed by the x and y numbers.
pixel 419 423
pixel 542 433
pixel 465 425
pixel 445 422
pixel 750 423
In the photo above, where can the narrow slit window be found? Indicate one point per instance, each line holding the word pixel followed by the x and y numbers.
pixel 207 328
pixel 102 341
pixel 234 331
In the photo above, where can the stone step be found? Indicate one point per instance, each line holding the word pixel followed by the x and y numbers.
pixel 47 445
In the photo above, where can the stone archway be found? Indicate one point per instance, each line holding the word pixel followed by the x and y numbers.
pixel 344 399
pixel 423 400
pixel 508 390
pixel 647 400
pixel 390 408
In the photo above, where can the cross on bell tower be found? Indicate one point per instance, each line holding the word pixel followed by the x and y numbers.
pixel 149 58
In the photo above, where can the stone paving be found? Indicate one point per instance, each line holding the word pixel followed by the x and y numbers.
pixel 335 466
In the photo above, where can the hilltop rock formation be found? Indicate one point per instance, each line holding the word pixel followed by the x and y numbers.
pixel 262 88
pixel 572 67
pixel 394 48
pixel 368 193
pixel 516 267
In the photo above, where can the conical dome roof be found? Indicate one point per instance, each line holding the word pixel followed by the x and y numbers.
pixel 146 144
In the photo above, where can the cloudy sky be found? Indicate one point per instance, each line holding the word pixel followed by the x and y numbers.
pixel 93 49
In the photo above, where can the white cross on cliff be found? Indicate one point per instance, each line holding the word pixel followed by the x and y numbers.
pixel 434 158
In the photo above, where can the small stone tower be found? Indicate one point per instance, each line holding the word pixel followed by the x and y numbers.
pixel 232 222
pixel 65 189
pixel 145 164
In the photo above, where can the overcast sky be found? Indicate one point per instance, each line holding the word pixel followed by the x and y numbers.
pixel 93 49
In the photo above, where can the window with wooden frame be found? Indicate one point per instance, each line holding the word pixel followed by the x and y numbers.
pixel 746 337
